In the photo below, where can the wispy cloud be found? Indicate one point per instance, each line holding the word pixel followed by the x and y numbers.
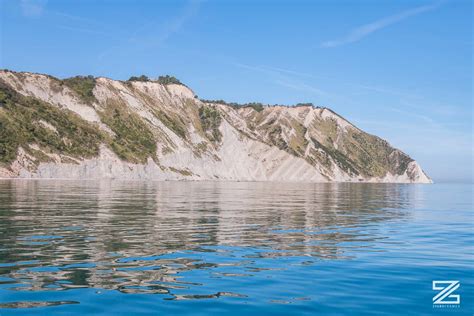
pixel 177 23
pixel 298 74
pixel 300 86
pixel 171 27
pixel 74 23
pixel 424 118
pixel 32 8
pixel 285 78
pixel 360 32
pixel 84 30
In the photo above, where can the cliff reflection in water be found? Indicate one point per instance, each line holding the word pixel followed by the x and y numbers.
pixel 141 237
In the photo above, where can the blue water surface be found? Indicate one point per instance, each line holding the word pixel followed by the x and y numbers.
pixel 201 248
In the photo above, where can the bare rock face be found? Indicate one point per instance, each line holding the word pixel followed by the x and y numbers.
pixel 94 128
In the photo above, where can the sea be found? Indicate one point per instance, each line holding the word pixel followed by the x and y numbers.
pixel 235 248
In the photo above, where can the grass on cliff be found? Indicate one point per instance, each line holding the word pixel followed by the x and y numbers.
pixel 164 80
pixel 133 140
pixel 173 123
pixel 297 142
pixel 375 156
pixel 359 152
pixel 344 162
pixel 257 106
pixel 210 121
pixel 20 125
pixel 83 86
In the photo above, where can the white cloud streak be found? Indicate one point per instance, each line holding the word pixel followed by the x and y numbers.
pixel 359 33
pixel 84 30
pixel 142 42
pixel 281 77
pixel 32 8
pixel 176 24
pixel 300 86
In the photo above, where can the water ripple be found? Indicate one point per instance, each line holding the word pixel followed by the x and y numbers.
pixel 238 243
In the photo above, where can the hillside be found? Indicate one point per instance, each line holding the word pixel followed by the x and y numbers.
pixel 91 128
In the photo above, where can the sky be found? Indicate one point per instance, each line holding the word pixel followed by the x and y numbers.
pixel 401 70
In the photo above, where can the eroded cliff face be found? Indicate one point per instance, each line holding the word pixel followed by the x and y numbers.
pixel 92 128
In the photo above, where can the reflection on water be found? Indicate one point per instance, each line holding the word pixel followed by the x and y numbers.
pixel 137 237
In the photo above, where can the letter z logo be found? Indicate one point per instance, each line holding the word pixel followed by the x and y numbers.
pixel 445 296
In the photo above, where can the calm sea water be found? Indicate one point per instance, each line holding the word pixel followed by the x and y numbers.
pixel 124 248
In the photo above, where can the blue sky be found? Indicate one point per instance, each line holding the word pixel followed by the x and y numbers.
pixel 399 69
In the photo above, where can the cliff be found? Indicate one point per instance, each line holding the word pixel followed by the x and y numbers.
pixel 91 128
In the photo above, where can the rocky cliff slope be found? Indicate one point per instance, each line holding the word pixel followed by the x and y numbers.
pixel 89 128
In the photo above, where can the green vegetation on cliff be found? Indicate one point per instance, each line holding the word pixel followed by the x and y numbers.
pixel 358 152
pixel 83 86
pixel 168 80
pixel 164 80
pixel 173 123
pixel 374 155
pixel 210 122
pixel 26 120
pixel 337 156
pixel 133 140
pixel 142 78
pixel 257 106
